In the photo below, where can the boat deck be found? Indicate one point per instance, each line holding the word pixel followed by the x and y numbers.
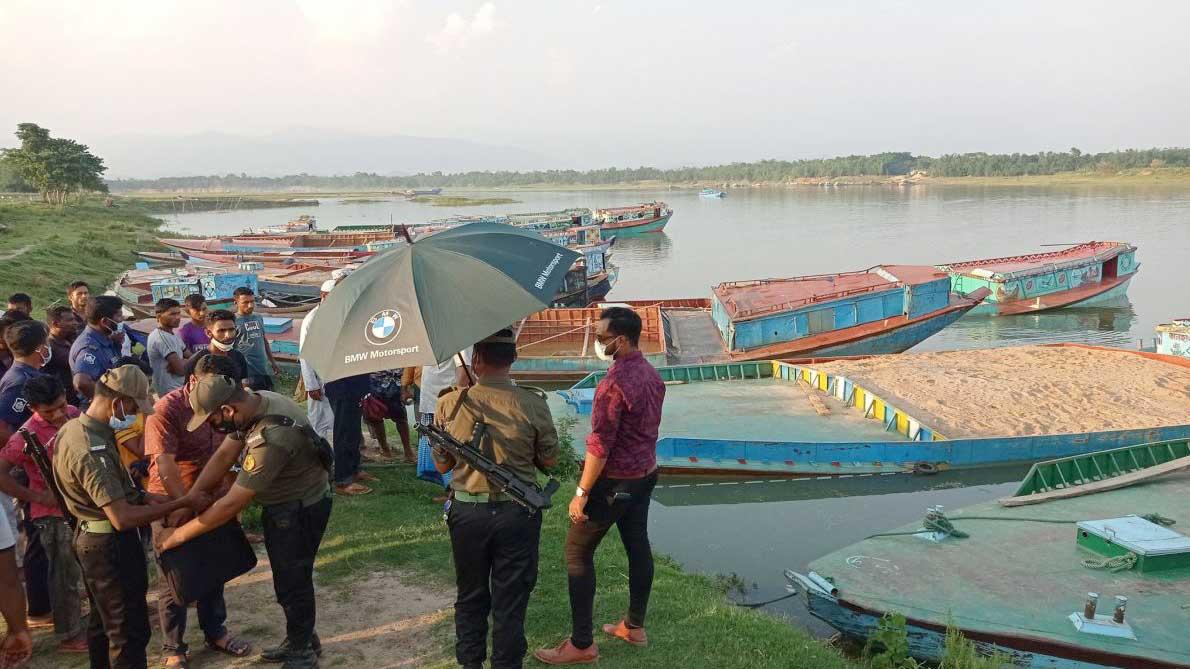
pixel 1018 579
pixel 1012 264
pixel 1027 390
pixel 748 299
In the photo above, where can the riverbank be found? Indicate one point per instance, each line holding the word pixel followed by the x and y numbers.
pixel 181 204
pixel 45 247
pixel 459 201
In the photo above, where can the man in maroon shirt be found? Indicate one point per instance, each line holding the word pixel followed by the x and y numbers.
pixel 621 458
pixel 176 456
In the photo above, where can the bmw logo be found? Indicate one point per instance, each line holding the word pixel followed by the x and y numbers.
pixel 383 327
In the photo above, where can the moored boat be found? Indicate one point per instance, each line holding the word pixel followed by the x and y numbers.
pixel 281 331
pixel 1088 274
pixel 641 218
pixel 1084 581
pixel 558 344
pixel 262 242
pixel 712 193
pixel 1174 338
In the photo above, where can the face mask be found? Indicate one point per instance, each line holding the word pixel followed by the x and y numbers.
pixel 118 424
pixel 221 346
pixel 47 356
pixel 225 426
pixel 601 351
pixel 114 327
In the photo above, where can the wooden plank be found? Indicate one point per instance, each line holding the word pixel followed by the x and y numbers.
pixel 815 401
pixel 1114 483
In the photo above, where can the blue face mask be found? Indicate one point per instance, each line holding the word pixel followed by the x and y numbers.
pixel 118 424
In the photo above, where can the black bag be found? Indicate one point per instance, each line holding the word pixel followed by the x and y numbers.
pixel 199 566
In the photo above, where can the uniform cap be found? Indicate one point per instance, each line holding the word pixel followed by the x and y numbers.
pixel 207 396
pixel 328 285
pixel 130 382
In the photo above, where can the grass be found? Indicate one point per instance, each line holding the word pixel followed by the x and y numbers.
pixel 459 201
pixel 45 247
pixel 179 204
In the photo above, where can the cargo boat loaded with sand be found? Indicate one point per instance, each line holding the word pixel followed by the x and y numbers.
pixel 915 412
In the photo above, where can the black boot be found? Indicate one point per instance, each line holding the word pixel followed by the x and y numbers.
pixel 281 653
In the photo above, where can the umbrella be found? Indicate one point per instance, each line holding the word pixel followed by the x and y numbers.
pixel 421 303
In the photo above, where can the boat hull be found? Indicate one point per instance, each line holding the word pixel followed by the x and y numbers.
pixel 643 226
pixel 1103 294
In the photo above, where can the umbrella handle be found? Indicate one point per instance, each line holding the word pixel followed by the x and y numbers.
pixel 466 369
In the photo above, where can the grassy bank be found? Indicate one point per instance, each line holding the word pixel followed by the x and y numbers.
pixel 181 204
pixel 44 247
pixel 459 201
pixel 690 622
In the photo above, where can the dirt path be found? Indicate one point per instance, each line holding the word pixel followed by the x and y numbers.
pixel 15 253
pixel 376 621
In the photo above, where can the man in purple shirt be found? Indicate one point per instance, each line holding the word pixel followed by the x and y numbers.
pixel 194 332
pixel 621 459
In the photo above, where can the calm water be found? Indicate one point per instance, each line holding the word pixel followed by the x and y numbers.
pixel 756 530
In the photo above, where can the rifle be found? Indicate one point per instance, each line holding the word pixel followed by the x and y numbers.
pixel 41 458
pixel 502 480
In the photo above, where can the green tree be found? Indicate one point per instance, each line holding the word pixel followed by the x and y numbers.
pixel 54 166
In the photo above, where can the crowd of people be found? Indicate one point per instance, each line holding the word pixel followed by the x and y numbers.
pixel 156 446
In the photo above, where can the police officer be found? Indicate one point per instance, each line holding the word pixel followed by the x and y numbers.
pixel 286 467
pixel 98 492
pixel 494 540
pixel 98 348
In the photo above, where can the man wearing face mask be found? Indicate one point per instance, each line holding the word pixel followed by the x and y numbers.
pixel 99 346
pixel 221 332
pixel 286 468
pixel 98 492
pixel 621 458
pixel 27 341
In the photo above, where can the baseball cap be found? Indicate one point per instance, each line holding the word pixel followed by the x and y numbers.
pixel 207 396
pixel 328 285
pixel 132 383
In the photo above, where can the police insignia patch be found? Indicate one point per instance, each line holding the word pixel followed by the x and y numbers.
pixel 249 463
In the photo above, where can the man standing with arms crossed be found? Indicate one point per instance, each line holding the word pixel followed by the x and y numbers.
pixel 621 458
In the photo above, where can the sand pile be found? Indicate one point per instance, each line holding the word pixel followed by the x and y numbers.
pixel 1026 390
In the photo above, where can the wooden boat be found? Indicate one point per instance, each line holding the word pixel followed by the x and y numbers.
pixel 162 258
pixel 300 225
pixel 769 420
pixel 712 193
pixel 273 258
pixel 142 288
pixel 267 242
pixel 552 220
pixel 637 219
pixel 1174 338
pixel 1089 274
pixel 559 344
pixel 1019 587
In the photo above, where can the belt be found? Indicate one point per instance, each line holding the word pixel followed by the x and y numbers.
pixel 479 497
pixel 97 526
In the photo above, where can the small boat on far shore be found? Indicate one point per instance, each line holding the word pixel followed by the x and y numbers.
pixel 712 193
pixel 1084 275
pixel 640 218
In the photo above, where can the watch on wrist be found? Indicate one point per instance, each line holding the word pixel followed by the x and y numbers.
pixel 579 492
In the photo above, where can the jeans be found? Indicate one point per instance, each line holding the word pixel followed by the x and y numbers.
pixel 632 519
pixel 64 575
pixel 292 534
pixel 117 580
pixel 495 548
pixel 36 565
pixel 212 613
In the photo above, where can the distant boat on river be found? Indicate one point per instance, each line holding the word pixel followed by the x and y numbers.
pixel 712 193
pixel 640 218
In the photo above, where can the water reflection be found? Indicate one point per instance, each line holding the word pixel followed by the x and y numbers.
pixel 1101 326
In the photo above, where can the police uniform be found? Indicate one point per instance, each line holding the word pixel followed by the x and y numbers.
pixel 87 467
pixel 495 540
pixel 93 353
pixel 282 466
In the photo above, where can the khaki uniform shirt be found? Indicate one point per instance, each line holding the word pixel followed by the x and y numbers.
pixel 520 430
pixel 87 466
pixel 280 464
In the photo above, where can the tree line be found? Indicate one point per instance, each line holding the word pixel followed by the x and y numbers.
pixel 879 164
pixel 55 167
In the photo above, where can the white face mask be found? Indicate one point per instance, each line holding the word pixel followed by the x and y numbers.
pixel 118 424
pixel 47 356
pixel 601 351
pixel 221 346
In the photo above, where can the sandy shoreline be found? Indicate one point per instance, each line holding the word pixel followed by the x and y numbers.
pixel 1026 390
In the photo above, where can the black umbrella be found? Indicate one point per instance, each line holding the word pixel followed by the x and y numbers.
pixel 424 302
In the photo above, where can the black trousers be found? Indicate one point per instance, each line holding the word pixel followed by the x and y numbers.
pixel 37 572
pixel 212 613
pixel 632 519
pixel 495 549
pixel 348 435
pixel 116 576
pixel 292 534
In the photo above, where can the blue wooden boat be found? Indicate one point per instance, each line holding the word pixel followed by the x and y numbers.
pixel 1174 338
pixel 763 425
pixel 1018 587
pixel 712 193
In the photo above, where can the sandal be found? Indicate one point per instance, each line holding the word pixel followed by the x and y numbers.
pixel 233 646
pixel 183 662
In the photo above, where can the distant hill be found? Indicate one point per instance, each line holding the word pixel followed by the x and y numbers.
pixel 302 151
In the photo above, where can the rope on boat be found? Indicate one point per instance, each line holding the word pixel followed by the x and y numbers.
pixel 757 605
pixel 1112 564
pixel 1158 519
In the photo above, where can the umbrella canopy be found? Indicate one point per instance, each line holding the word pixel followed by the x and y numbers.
pixel 423 302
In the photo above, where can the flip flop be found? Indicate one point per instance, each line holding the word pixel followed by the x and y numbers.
pixel 235 646
pixel 352 490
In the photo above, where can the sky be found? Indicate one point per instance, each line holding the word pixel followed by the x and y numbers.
pixel 591 83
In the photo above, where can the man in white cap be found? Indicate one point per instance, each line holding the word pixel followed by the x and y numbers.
pixel 318 408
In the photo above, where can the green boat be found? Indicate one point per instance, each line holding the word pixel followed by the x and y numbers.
pixel 1087 565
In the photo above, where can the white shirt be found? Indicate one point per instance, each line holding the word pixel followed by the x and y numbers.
pixel 309 377
pixel 160 345
pixel 436 378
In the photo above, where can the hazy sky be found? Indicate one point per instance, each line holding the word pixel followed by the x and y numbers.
pixel 597 82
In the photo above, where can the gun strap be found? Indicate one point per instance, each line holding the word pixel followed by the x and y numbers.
pixel 485 445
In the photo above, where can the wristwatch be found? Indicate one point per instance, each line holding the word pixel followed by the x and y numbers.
pixel 579 492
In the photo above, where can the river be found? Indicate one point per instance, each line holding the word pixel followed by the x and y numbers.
pixel 755 531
